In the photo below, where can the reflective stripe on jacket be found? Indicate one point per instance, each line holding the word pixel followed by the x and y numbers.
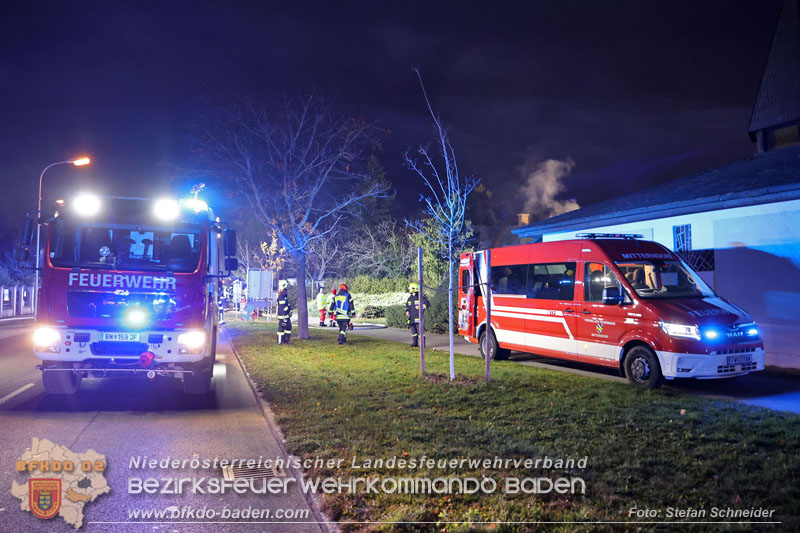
pixel 342 305
pixel 284 309
pixel 412 306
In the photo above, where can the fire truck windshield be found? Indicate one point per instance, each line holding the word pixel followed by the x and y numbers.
pixel 98 245
pixel 664 279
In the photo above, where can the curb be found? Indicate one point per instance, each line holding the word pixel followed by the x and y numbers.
pixel 266 411
pixel 17 321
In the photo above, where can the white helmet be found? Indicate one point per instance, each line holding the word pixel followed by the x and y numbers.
pixel 282 284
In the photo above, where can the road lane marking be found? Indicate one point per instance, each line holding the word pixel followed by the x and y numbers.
pixel 20 390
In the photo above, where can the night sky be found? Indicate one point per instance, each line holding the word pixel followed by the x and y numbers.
pixel 627 94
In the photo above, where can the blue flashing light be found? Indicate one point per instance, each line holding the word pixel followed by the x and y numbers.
pixel 135 317
pixel 711 334
pixel 752 332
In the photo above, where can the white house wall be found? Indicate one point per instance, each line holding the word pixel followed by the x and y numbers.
pixel 757 264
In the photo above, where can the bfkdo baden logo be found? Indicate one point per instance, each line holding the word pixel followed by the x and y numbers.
pixel 44 497
pixel 61 481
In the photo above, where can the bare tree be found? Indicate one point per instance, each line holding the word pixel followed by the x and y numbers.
pixel 297 164
pixel 248 256
pixel 381 250
pixel 446 204
pixel 323 255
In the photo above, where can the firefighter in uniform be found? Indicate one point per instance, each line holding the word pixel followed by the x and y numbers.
pixel 284 313
pixel 412 311
pixel 329 304
pixel 342 307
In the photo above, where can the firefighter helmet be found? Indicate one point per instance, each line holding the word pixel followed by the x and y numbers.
pixel 413 287
pixel 343 287
pixel 282 284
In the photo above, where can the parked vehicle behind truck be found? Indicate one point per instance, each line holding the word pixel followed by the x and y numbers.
pixel 609 300
pixel 130 287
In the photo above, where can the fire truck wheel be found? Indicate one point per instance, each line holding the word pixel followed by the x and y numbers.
pixel 60 381
pixel 199 382
pixel 497 353
pixel 642 368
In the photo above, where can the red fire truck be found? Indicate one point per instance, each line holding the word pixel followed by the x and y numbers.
pixel 609 300
pixel 130 288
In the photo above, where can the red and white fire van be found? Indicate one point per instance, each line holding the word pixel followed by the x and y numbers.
pixel 130 288
pixel 610 300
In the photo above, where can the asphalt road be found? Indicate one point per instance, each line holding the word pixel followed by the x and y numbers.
pixel 126 418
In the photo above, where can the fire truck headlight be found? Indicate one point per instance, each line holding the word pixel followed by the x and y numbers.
pixel 86 205
pixel 46 339
pixel 166 209
pixel 191 342
pixel 681 330
pixel 135 317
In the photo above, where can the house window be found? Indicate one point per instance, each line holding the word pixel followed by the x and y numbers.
pixel 700 260
pixel 682 237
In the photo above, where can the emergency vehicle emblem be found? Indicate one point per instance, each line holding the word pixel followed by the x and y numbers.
pixel 44 497
pixel 599 328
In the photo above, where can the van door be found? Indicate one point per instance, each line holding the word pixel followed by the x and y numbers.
pixel 551 309
pixel 600 326
pixel 466 295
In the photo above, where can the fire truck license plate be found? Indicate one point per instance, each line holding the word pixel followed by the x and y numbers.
pixel 739 359
pixel 125 337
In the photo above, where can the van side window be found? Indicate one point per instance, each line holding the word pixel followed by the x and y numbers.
pixel 551 281
pixel 509 279
pixel 598 277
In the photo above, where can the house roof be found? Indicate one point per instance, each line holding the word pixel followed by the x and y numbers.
pixel 764 178
pixel 778 100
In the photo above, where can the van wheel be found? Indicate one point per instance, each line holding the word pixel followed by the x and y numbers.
pixel 642 368
pixel 495 352
pixel 60 381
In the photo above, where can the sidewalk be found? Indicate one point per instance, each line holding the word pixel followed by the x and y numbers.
pixel 435 341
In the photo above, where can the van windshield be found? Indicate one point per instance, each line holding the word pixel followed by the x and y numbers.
pixel 664 279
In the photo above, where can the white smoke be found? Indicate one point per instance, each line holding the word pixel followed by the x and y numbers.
pixel 543 185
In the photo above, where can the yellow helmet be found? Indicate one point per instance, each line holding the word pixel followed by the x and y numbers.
pixel 413 287
pixel 282 284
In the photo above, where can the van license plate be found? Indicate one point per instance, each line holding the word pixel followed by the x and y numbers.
pixel 124 337
pixel 739 359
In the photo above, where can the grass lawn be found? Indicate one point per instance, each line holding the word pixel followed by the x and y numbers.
pixel 648 449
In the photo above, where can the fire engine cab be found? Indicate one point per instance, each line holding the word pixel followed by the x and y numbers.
pixel 130 288
pixel 609 300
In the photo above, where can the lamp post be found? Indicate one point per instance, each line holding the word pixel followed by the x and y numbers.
pixel 79 162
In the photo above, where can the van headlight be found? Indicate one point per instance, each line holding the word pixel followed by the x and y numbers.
pixel 681 330
pixel 191 342
pixel 47 339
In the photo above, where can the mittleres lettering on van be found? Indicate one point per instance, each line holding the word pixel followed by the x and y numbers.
pixel 121 281
pixel 646 255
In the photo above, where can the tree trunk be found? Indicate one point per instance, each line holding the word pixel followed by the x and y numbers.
pixel 450 312
pixel 302 298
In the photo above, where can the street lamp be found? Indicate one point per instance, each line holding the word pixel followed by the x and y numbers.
pixel 78 162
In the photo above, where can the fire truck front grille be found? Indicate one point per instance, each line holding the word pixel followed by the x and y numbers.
pixel 118 348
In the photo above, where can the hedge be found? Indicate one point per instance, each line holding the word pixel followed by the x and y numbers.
pixel 369 285
pixel 396 316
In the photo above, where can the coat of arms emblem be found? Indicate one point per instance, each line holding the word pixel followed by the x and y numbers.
pixel 44 497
